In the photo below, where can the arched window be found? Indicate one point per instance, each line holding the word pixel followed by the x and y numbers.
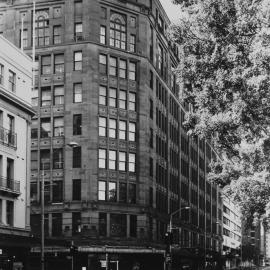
pixel 42 29
pixel 118 36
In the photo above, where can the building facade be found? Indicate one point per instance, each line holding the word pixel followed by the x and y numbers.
pixel 232 233
pixel 15 121
pixel 104 81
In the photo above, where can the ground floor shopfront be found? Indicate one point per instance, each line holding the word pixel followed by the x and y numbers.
pixel 123 258
pixel 99 258
pixel 14 251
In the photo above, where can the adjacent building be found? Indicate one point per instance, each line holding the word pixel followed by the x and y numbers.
pixel 104 83
pixel 15 144
pixel 232 233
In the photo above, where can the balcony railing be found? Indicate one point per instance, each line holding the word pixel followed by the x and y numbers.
pixel 9 185
pixel 8 138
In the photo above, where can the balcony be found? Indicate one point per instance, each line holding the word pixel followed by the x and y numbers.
pixel 8 138
pixel 9 186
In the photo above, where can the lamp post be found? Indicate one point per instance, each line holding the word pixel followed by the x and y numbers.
pixel 173 213
pixel 169 235
pixel 205 243
pixel 72 145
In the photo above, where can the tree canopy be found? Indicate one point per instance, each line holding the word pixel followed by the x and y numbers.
pixel 225 74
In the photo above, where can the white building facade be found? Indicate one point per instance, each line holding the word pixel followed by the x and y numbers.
pixel 232 233
pixel 15 144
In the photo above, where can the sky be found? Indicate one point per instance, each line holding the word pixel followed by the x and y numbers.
pixel 172 10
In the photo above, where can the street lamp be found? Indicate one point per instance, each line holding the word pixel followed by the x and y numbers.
pixel 169 238
pixel 173 213
pixel 72 145
pixel 205 242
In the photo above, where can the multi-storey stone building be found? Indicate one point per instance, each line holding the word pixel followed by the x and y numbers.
pixel 104 81
pixel 232 233
pixel 15 120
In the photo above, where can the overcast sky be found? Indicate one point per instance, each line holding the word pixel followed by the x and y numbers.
pixel 170 9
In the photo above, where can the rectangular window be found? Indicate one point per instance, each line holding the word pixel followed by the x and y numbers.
pixel 123 99
pixel 132 101
pixel 102 126
pixel 46 65
pixel 123 69
pixel 122 130
pixel 131 162
pixel 133 226
pixel 78 60
pixel 57 191
pixel 76 223
pixel 10 213
pixel 132 43
pixel 24 38
pixel 77 92
pixel 103 64
pixel 151 108
pixel 33 193
pixel 132 71
pixel 151 169
pixel 112 160
pixel 123 192
pixel 78 8
pixel 77 157
pixel 101 190
pixel 112 128
pixel 112 97
pixel 58 126
pixel 113 66
pixel 77 124
pixel 34 160
pixel 56 224
pixel 122 161
pixel 45 96
pixel 112 195
pixel 45 158
pixel 102 223
pixel 132 132
pixel 76 189
pixel 78 35
pixel 59 63
pixel 59 95
pixel 160 59
pixel 131 193
pixel 1 74
pixel 102 36
pixel 45 127
pixel 102 159
pixel 102 95
pixel 118 225
pixel 151 83
pixel 57 34
pixel 11 81
pixel 151 138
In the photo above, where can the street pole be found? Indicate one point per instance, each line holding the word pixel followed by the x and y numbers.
pixel 205 247
pixel 42 218
pixel 169 263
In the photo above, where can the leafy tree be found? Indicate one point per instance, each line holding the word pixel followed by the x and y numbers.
pixel 225 74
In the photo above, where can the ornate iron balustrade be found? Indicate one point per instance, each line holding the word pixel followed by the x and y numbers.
pixel 8 138
pixel 8 185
